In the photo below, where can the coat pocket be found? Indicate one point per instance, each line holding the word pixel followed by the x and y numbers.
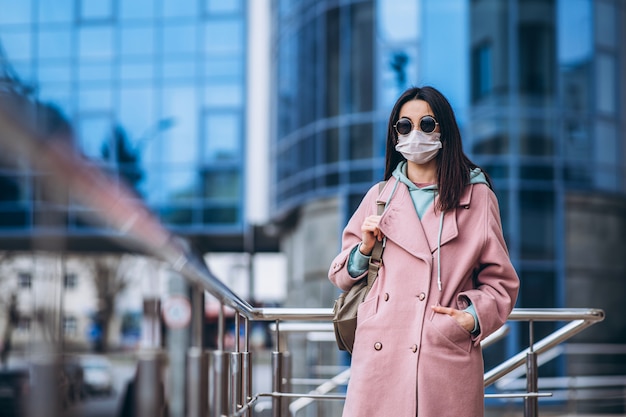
pixel 452 330
pixel 367 309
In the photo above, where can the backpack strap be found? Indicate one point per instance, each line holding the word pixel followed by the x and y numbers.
pixel 376 259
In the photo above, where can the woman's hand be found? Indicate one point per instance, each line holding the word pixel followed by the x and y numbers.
pixel 465 319
pixel 370 233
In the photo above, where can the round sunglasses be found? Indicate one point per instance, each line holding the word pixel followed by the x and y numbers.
pixel 427 124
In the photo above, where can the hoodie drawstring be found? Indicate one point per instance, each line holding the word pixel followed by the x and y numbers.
pixel 439 251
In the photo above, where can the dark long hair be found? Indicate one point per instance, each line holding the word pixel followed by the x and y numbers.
pixel 453 166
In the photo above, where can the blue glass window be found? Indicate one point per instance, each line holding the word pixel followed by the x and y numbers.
pixel 95 9
pixel 55 11
pixel 54 43
pixel 223 95
pixel 221 185
pixel 180 69
pixel 606 83
pixel 95 42
pixel 224 68
pixel 575 37
pixel 222 133
pixel 14 12
pixel 137 41
pixel 136 9
pixel 54 73
pixel 482 76
pixel 605 23
pixel 180 143
pixel 179 8
pixel 179 184
pixel 88 73
pixel 537 225
pixel 136 115
pixel 179 39
pixel 94 130
pixel 224 36
pixel 222 6
pixel 137 73
pixel 17 45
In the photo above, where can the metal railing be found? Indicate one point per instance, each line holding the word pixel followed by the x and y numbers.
pixel 218 381
pixel 578 320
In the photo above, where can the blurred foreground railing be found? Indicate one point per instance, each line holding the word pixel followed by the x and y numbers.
pixel 219 382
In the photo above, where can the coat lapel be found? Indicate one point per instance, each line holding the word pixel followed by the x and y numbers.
pixel 401 224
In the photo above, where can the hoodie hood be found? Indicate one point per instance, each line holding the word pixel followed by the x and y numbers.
pixel 478 177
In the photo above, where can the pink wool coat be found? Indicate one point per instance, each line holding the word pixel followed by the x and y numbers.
pixel 408 360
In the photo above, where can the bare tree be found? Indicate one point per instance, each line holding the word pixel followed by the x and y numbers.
pixel 8 302
pixel 111 278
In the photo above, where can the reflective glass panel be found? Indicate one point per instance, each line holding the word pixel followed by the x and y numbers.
pixel 223 95
pixel 54 73
pixel 222 140
pixel 223 36
pixel 95 42
pixel 537 225
pixel 94 131
pixel 95 9
pixel 136 9
pixel 179 39
pixel 574 28
pixel 606 17
pixel 16 45
pixel 13 12
pixel 179 8
pixel 54 43
pixel 606 83
pixel 222 6
pixel 95 99
pixel 136 115
pixel 179 184
pixel 55 11
pixel 137 41
pixel 180 143
pixel 221 185
pixel 360 141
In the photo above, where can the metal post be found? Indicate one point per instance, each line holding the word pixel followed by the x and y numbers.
pixel 44 397
pixel 197 316
pixel 246 367
pixel 286 381
pixel 218 383
pixel 277 379
pixel 277 373
pixel 531 404
pixel 149 387
pixel 197 378
pixel 236 378
pixel 236 400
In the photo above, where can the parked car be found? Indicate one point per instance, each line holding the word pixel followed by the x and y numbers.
pixel 97 374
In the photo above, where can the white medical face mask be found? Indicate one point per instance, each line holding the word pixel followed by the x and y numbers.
pixel 419 147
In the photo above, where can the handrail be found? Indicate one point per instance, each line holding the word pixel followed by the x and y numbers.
pixel 580 319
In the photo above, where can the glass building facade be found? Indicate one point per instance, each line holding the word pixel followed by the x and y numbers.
pixel 154 91
pixel 536 88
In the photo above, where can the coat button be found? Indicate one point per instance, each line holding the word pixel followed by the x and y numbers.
pixel 421 296
pixel 378 346
pixel 414 348
pixel 386 296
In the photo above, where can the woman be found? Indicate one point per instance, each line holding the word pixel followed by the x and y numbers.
pixel 446 280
